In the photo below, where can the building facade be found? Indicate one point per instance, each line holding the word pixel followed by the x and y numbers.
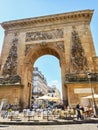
pixel 54 92
pixel 39 84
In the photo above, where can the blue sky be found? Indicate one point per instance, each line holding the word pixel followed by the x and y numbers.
pixel 20 9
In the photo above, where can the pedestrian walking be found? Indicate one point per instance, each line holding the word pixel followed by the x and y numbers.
pixel 78 113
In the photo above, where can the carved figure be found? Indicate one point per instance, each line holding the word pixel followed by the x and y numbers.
pixel 78 59
pixel 60 45
pixel 46 35
pixel 10 67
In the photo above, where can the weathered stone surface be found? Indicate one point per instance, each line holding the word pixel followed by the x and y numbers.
pixel 82 77
pixel 54 34
pixel 78 60
pixel 10 80
pixel 10 66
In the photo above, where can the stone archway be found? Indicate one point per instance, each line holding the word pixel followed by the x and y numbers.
pixel 37 50
pixel 66 36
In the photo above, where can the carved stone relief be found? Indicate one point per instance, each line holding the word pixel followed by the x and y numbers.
pixel 46 35
pixel 43 44
pixel 9 74
pixel 59 45
pixel 16 79
pixel 10 66
pixel 78 59
pixel 27 49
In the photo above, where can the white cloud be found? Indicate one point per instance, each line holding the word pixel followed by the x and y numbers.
pixel 55 83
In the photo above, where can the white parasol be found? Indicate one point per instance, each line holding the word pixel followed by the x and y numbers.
pixel 45 97
pixel 49 98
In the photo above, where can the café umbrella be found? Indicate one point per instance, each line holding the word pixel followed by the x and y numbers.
pixel 45 97
pixel 49 98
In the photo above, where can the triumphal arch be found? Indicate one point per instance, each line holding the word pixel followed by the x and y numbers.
pixel 66 36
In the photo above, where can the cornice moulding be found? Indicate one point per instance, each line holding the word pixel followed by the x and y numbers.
pixel 84 15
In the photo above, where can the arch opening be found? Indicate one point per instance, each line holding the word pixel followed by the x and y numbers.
pixel 39 52
pixel 48 69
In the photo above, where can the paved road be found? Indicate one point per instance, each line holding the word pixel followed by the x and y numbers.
pixel 49 127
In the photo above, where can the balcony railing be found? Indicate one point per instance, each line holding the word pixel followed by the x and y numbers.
pixel 80 77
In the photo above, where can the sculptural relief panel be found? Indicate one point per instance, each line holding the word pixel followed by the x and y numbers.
pixel 10 67
pixel 45 35
pixel 59 45
pixel 78 59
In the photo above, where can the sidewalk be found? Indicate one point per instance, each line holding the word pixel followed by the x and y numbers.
pixel 40 121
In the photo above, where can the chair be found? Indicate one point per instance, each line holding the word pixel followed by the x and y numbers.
pixel 62 114
pixel 72 112
pixel 45 114
pixel 11 115
pixel 31 114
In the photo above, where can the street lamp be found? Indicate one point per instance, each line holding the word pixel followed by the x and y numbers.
pixel 92 92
